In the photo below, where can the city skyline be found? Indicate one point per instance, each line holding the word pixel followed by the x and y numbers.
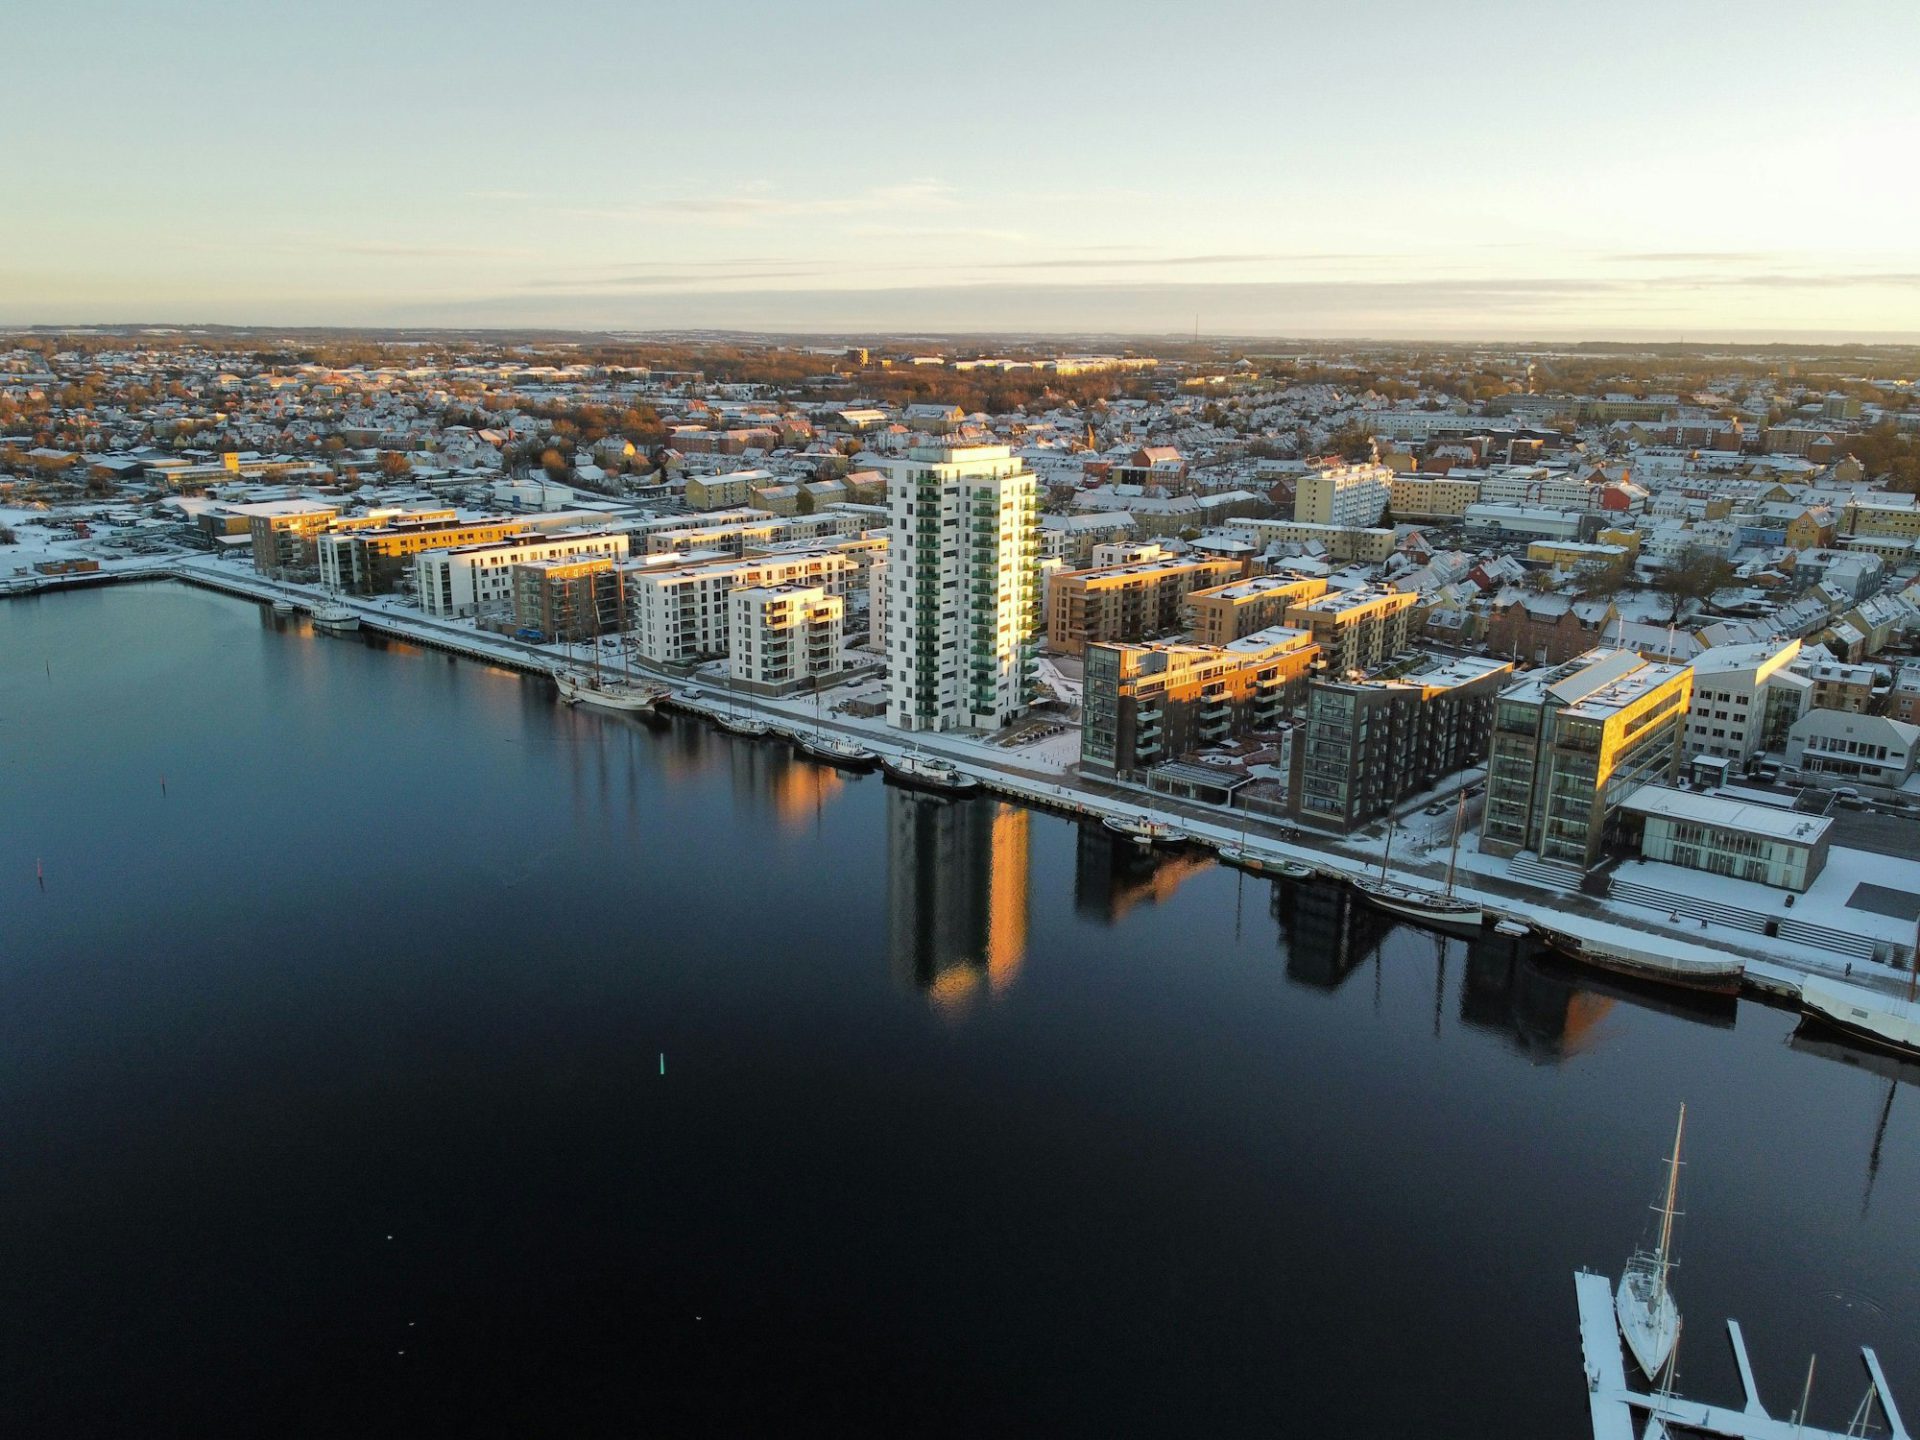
pixel 1400 173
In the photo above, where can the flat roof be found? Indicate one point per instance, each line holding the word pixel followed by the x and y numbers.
pixel 1725 814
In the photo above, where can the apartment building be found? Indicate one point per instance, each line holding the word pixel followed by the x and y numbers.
pixel 728 537
pixel 1356 629
pixel 1371 744
pixel 1569 745
pixel 1139 601
pixel 1221 614
pixel 783 637
pixel 1146 704
pixel 1431 497
pixel 723 492
pixel 681 615
pixel 1352 496
pixel 569 599
pixel 1745 700
pixel 285 533
pixel 374 560
pixel 473 580
pixel 1343 543
pixel 963 608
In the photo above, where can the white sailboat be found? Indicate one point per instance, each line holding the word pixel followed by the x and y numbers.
pixel 587 686
pixel 1416 902
pixel 1643 1303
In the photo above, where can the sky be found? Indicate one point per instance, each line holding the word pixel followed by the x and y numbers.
pixel 1479 169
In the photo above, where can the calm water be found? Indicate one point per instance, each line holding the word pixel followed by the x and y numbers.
pixel 331 1095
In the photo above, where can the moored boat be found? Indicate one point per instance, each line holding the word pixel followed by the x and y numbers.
pixel 1512 927
pixel 1254 863
pixel 837 750
pixel 1411 902
pixel 604 695
pixel 1643 1304
pixel 283 606
pixel 923 773
pixel 744 726
pixel 1888 1021
pixel 1719 974
pixel 1143 830
pixel 336 618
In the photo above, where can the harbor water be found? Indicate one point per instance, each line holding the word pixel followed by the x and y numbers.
pixel 386 1049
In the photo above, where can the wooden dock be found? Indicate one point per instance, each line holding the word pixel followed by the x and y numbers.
pixel 1612 1403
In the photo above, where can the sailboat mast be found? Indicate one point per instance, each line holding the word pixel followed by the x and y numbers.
pixel 1453 855
pixel 1673 1187
pixel 1387 854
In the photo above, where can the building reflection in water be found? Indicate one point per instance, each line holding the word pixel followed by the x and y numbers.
pixel 1326 931
pixel 1542 1012
pixel 957 894
pixel 1111 875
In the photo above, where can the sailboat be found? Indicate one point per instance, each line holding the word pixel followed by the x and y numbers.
pixel 1643 1304
pixel 587 686
pixel 737 724
pixel 1889 1021
pixel 1243 857
pixel 1416 902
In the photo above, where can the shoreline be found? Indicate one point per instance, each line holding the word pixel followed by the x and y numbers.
pixel 1548 912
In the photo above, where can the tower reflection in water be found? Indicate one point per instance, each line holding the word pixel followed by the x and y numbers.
pixel 1112 875
pixel 957 894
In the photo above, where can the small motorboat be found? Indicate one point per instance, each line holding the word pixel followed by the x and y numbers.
pixel 335 618
pixel 1143 830
pixel 1254 863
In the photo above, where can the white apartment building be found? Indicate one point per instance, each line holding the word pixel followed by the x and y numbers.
pixel 1347 495
pixel 1857 747
pixel 963 594
pixel 1536 485
pixel 680 615
pixel 1745 700
pixel 784 637
pixel 478 579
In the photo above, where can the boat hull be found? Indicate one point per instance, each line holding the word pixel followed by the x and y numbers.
pixel 853 759
pixel 1144 833
pixel 1864 1015
pixel 1259 865
pixel 1715 977
pixel 1436 911
pixel 933 782
pixel 337 627
pixel 604 698
pixel 1648 1325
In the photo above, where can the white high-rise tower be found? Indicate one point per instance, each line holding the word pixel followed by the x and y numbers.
pixel 963 592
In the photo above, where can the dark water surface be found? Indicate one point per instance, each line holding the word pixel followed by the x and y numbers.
pixel 331 1098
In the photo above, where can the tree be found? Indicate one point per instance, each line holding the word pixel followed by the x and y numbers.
pixel 1599 579
pixel 394 465
pixel 7 536
pixel 1352 442
pixel 803 501
pixel 1695 574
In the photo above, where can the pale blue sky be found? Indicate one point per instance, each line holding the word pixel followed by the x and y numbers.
pixel 1493 168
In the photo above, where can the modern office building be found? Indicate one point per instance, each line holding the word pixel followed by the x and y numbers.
pixel 1746 699
pixel 1769 844
pixel 1356 629
pixel 1372 743
pixel 783 637
pixel 1143 705
pixel 1346 495
pixel 963 603
pixel 1138 601
pixel 569 599
pixel 473 580
pixel 1224 613
pixel 1571 743
pixel 680 615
